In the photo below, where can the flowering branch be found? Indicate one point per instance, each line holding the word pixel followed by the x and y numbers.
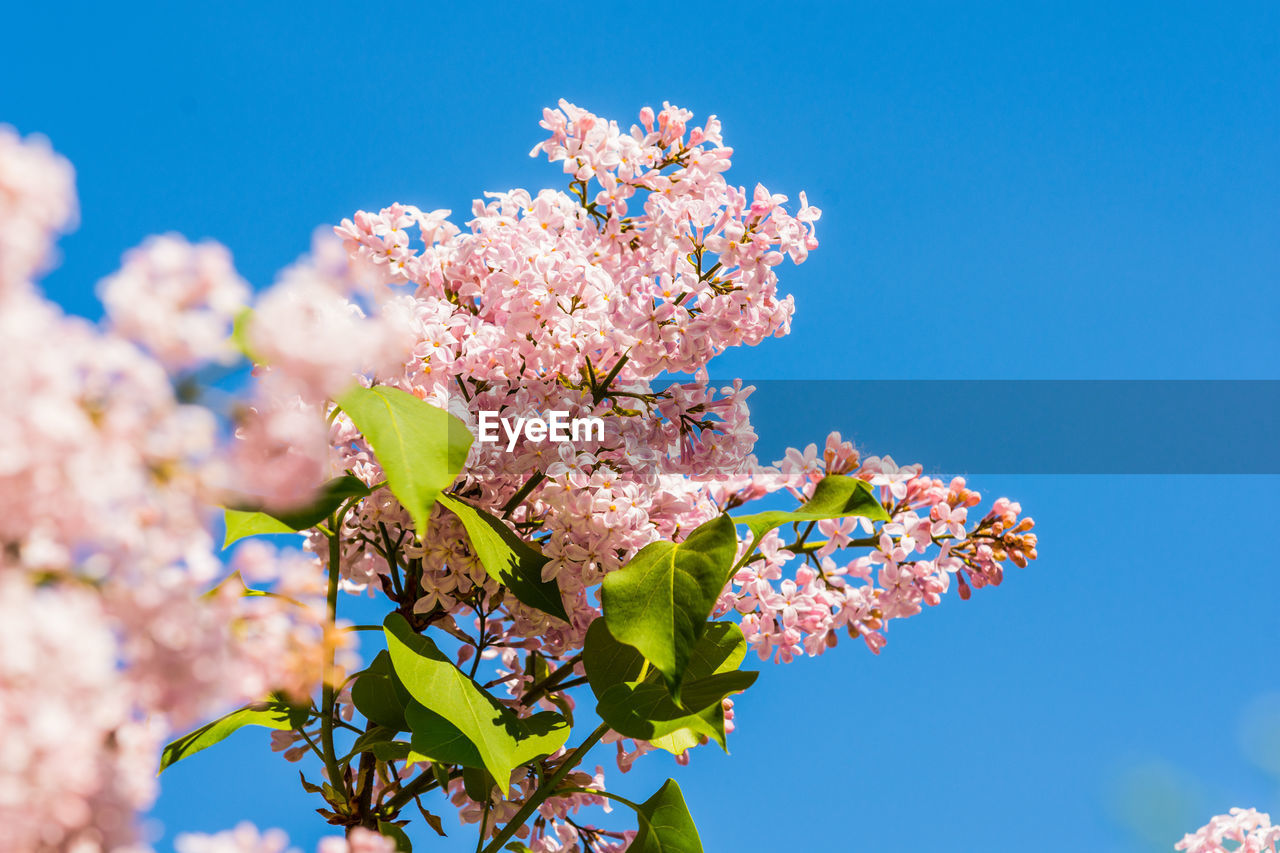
pixel 518 578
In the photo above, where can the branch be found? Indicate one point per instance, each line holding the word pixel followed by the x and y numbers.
pixel 327 691
pixel 544 790
pixel 547 684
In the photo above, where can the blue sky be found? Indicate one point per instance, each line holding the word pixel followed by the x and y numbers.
pixel 1075 191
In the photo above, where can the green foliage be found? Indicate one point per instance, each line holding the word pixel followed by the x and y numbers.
pixel 502 740
pixel 250 521
pixel 240 333
pixel 380 696
pixel 635 701
pixel 272 715
pixel 440 740
pixel 507 558
pixel 665 825
pixel 244 523
pixel 436 738
pixel 835 496
pixel 403 844
pixel 383 745
pixel 659 670
pixel 660 600
pixel 478 784
pixel 421 448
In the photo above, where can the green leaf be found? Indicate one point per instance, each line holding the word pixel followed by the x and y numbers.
pixel 835 496
pixel 441 741
pixel 660 600
pixel 242 523
pixel 390 830
pixel 681 740
pixel 723 648
pixel 380 696
pixel 665 825
pixel 606 661
pixel 382 743
pixel 272 715
pixel 421 448
pixel 507 558
pixel 502 740
pixel 252 521
pixel 540 734
pixel 327 500
pixel 441 772
pixel 370 739
pixel 478 783
pixel 240 333
pixel 645 709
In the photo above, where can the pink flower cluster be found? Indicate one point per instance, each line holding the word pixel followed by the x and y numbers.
pixel 578 301
pixel 581 301
pixel 177 300
pixel 111 639
pixel 246 838
pixel 75 762
pixel 911 564
pixel 37 202
pixel 600 301
pixel 554 829
pixel 1250 830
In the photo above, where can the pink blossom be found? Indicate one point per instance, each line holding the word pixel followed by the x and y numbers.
pixel 246 838
pixel 1250 830
pixel 177 300
pixel 281 453
pixel 37 202
pixel 584 300
pixel 77 766
pixel 909 567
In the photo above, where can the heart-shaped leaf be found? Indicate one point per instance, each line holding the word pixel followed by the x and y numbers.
pixel 502 741
pixel 420 447
pixel 507 558
pixel 272 715
pixel 660 600
pixel 246 520
pixel 665 824
pixel 835 496
pixel 644 708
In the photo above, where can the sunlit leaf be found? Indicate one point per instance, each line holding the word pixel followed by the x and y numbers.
pixel 665 825
pixel 835 496
pixel 272 715
pixel 420 447
pixel 660 600
pixel 244 520
pixel 644 708
pixel 507 558
pixel 502 740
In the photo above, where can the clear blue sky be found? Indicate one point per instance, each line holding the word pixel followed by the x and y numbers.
pixel 1082 191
